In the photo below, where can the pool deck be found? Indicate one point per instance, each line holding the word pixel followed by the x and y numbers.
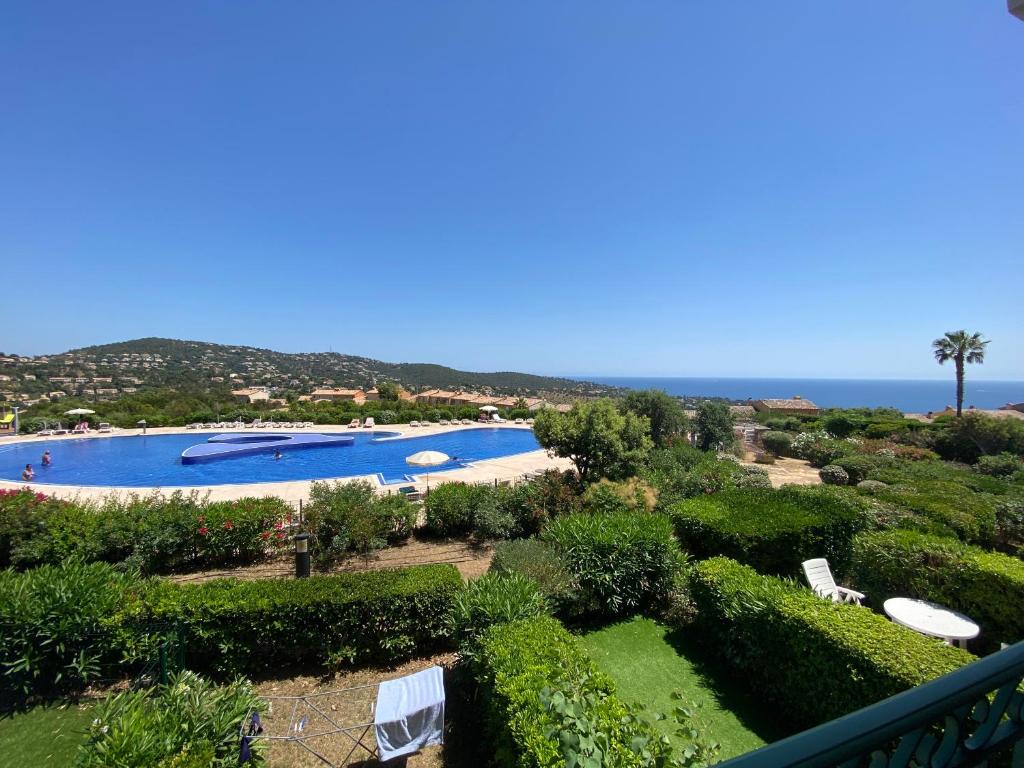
pixel 489 470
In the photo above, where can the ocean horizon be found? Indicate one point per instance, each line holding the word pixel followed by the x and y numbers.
pixel 908 395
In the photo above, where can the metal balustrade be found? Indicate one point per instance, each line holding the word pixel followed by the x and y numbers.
pixel 960 719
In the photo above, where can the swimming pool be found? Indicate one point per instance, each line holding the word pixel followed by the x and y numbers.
pixel 144 461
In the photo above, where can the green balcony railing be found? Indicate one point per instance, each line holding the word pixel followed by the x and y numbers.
pixel 961 719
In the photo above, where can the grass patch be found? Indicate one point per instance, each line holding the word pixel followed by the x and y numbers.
pixel 44 735
pixel 648 662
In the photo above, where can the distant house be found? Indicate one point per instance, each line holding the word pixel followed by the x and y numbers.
pixel 336 395
pixel 251 394
pixel 794 406
pixel 58 394
pixel 372 394
pixel 742 412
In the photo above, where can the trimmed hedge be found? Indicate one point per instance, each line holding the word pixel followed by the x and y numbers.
pixel 812 659
pixel 518 667
pixel 987 586
pixel 774 530
pixel 378 616
pixel 622 562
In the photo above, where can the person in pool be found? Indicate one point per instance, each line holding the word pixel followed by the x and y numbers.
pixel 278 455
pixel 47 459
pixel 29 473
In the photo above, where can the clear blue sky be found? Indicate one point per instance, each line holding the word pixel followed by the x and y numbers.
pixel 661 188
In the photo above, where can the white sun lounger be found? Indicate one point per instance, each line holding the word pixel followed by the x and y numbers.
pixel 819 576
pixel 369 423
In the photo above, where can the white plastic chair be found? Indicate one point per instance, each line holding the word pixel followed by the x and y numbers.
pixel 819 576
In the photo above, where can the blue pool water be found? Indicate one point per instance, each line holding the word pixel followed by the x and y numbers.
pixel 155 460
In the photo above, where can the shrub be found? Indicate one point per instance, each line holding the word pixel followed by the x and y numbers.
pixel 189 722
pixel 871 486
pixel 773 633
pixel 987 586
pixel 22 520
pixel 753 477
pixel 491 521
pixel 841 424
pixel 859 466
pixel 376 616
pixel 622 562
pixel 539 561
pixel 530 673
pixel 556 494
pixel 451 507
pixel 833 475
pixel 60 627
pixel 977 434
pixel 914 453
pixel 351 516
pixel 507 512
pixel 1002 465
pixel 632 495
pixel 494 599
pixel 772 530
pixel 683 472
pixel 820 449
pixel 777 443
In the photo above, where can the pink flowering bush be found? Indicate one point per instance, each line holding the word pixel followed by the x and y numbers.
pixel 155 533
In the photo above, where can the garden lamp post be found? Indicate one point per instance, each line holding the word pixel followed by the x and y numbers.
pixel 302 556
pixel 142 423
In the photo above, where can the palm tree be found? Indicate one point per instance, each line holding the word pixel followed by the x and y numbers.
pixel 960 347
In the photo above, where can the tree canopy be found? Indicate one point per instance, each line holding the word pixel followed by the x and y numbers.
pixel 664 412
pixel 601 440
pixel 714 426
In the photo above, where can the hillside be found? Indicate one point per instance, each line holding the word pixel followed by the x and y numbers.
pixel 129 366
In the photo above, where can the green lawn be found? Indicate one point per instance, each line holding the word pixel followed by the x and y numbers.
pixel 648 663
pixel 43 736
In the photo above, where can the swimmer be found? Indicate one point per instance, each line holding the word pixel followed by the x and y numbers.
pixel 47 459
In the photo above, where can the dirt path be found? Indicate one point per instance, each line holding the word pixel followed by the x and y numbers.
pixel 351 708
pixel 472 560
pixel 789 472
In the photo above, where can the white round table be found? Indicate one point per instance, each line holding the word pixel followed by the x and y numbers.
pixel 931 619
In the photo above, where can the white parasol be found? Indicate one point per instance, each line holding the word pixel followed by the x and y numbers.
pixel 427 458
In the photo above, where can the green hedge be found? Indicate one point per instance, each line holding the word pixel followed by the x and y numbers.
pixel 621 562
pixel 987 586
pixel 812 659
pixel 518 667
pixel 774 530
pixel 377 616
